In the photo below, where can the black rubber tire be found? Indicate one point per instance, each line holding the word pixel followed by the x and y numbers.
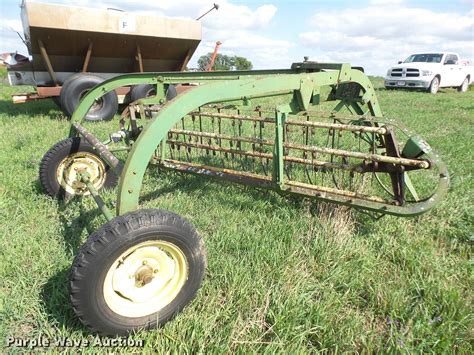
pixel 464 87
pixel 171 93
pixel 434 86
pixel 147 90
pixel 57 101
pixel 141 91
pixel 55 155
pixel 105 245
pixel 76 86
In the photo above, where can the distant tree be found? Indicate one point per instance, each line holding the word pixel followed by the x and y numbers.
pixel 241 63
pixel 224 62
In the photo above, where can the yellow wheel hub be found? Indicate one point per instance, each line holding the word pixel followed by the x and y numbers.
pixel 80 161
pixel 145 278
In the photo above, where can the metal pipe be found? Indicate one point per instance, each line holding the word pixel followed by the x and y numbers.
pixel 312 162
pixel 292 122
pixel 266 181
pixel 88 57
pixel 85 178
pixel 45 56
pixel 101 148
pixel 216 6
pixel 423 164
pixel 214 55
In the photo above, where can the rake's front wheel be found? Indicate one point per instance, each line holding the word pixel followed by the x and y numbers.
pixel 136 272
pixel 61 163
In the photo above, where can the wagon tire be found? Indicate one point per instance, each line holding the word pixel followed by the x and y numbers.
pixel 138 92
pixel 434 86
pixel 464 86
pixel 136 272
pixel 56 173
pixel 76 86
pixel 148 90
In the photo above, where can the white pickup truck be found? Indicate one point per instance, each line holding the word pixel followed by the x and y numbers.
pixel 431 71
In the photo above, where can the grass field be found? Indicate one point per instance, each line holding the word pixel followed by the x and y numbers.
pixel 284 274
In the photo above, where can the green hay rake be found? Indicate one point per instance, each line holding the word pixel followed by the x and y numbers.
pixel 325 139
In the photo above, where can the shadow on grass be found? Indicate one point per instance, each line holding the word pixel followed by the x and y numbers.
pixel 55 299
pixel 40 107
pixel 189 183
pixel 55 293
pixel 74 228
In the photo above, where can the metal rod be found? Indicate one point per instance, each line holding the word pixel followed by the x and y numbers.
pixel 102 149
pixel 423 164
pixel 85 178
pixel 239 117
pixel 266 181
pixel 312 162
pixel 337 126
pixel 215 6
pixel 345 193
pixel 278 165
pixel 214 55
pixel 45 56
pixel 220 136
pixel 182 66
pixel 219 149
pixel 88 57
pixel 139 58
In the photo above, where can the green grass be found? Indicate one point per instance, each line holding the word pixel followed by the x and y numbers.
pixel 284 274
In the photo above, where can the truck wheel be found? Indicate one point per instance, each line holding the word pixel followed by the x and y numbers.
pixel 74 89
pixel 434 86
pixel 464 86
pixel 136 272
pixel 147 90
pixel 57 172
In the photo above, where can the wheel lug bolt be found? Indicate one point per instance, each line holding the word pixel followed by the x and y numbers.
pixel 144 262
pixel 155 271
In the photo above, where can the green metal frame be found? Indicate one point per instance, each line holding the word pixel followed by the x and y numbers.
pixel 304 81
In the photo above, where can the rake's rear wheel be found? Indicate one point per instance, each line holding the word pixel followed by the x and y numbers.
pixel 60 164
pixel 136 272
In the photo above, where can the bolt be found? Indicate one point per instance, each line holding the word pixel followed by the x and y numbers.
pixel 144 262
pixel 155 271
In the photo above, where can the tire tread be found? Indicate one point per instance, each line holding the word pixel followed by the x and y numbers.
pixel 98 240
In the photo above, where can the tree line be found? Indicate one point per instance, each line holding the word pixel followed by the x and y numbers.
pixel 224 62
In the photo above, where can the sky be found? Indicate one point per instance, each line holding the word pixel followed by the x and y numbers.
pixel 374 34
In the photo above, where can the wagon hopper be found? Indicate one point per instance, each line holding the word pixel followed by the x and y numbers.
pixel 74 49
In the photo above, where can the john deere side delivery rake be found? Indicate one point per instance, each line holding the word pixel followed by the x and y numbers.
pixel 315 130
